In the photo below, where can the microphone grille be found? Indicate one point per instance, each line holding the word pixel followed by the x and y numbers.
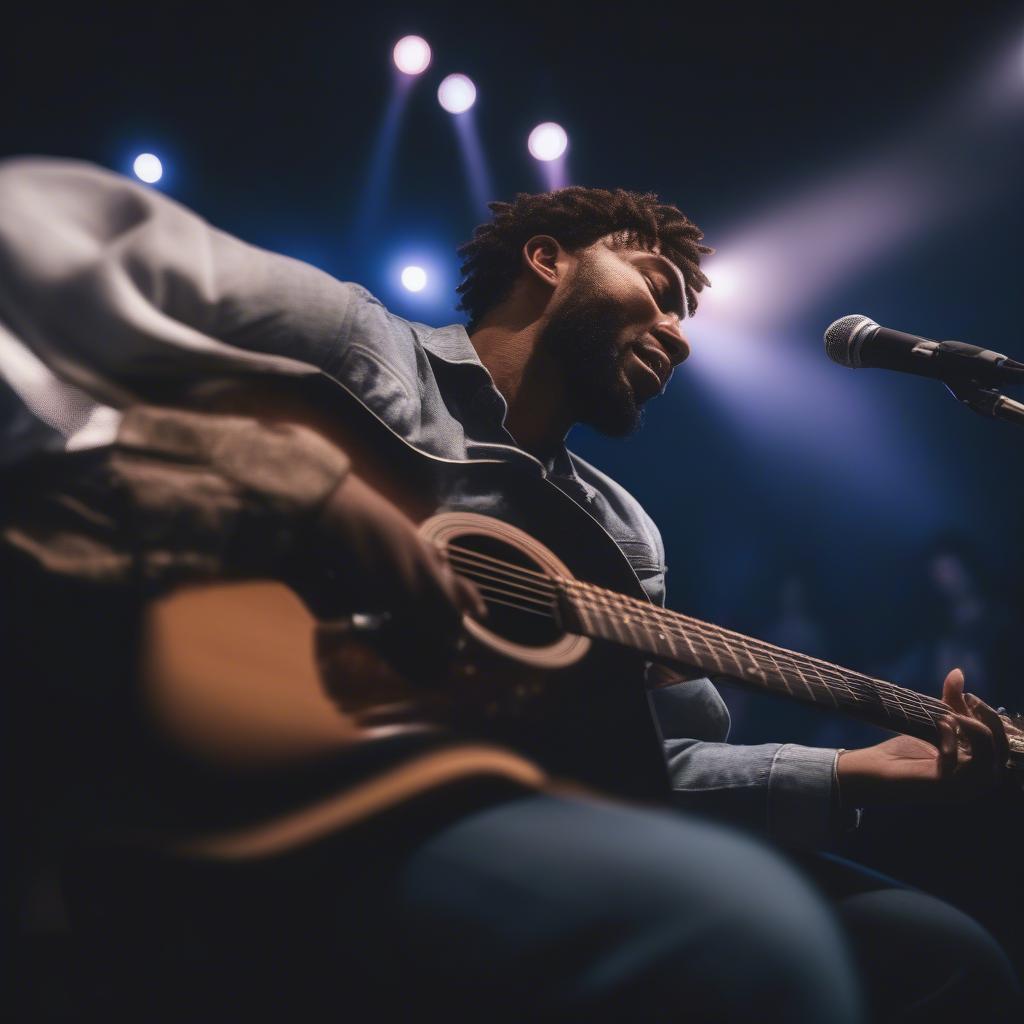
pixel 841 336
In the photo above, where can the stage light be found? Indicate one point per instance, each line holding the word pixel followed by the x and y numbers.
pixel 726 279
pixel 456 94
pixel 548 141
pixel 148 168
pixel 412 55
pixel 414 279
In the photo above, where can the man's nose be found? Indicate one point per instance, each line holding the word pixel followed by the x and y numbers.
pixel 669 335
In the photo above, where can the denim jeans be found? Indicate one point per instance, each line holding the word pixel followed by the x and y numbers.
pixel 548 908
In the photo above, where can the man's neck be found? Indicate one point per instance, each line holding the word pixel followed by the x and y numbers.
pixel 530 381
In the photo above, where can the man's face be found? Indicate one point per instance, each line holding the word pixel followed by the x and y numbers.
pixel 615 331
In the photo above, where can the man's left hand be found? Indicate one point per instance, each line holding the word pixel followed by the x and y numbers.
pixel 969 758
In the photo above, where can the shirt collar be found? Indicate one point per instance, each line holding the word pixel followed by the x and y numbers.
pixel 451 344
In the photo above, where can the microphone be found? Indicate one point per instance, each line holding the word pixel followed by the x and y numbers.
pixel 857 341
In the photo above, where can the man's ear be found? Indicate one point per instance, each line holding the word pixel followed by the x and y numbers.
pixel 545 258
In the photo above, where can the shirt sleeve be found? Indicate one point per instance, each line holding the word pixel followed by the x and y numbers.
pixel 121 290
pixel 115 293
pixel 783 790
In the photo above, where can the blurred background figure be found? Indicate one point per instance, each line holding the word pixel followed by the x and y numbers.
pixel 952 608
pixel 963 615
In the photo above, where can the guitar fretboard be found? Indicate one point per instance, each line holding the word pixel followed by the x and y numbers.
pixel 670 636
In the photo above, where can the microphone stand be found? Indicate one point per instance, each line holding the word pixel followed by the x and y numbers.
pixel 987 401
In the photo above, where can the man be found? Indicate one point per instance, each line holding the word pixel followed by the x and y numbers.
pixel 113 298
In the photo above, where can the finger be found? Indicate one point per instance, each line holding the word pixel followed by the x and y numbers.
pixel 434 620
pixel 465 592
pixel 947 746
pixel 953 692
pixel 978 738
pixel 470 599
pixel 1000 742
pixel 449 593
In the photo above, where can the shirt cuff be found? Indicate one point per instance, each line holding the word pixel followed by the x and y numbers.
pixel 800 795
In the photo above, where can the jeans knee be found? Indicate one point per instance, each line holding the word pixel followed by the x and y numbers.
pixel 924 959
pixel 741 937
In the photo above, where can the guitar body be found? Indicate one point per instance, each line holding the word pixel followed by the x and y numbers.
pixel 245 680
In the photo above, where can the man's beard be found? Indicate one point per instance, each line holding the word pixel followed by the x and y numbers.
pixel 583 336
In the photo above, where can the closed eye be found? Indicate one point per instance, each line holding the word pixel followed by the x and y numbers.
pixel 659 295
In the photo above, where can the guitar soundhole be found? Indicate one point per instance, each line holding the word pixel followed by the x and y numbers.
pixel 520 597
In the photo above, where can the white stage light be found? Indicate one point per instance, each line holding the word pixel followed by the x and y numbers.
pixel 727 279
pixel 548 141
pixel 148 168
pixel 412 55
pixel 456 94
pixel 414 279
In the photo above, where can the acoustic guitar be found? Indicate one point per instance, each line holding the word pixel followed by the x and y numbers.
pixel 263 679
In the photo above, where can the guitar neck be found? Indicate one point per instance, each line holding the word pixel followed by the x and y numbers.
pixel 669 636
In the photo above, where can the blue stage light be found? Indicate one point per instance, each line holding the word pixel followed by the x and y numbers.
pixel 414 279
pixel 148 168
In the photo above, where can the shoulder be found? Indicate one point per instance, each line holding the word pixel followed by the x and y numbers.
pixel 626 507
pixel 370 331
pixel 629 525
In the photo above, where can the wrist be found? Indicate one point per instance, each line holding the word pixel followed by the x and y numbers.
pixel 853 775
pixel 846 814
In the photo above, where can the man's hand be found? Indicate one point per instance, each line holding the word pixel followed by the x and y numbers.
pixel 380 555
pixel 969 760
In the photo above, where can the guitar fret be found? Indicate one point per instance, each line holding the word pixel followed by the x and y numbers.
pixel 582 609
pixel 799 672
pixel 758 668
pixel 611 621
pixel 632 623
pixel 886 705
pixel 804 681
pixel 824 683
pixel 659 637
pixel 714 653
pixel 622 622
pixel 821 679
pixel 850 695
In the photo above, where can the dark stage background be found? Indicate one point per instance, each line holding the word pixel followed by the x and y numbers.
pixel 858 158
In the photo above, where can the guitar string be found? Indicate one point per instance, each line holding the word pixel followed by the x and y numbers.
pixel 518 607
pixel 666 618
pixel 912 708
pixel 492 588
pixel 663 616
pixel 880 695
pixel 906 706
pixel 908 712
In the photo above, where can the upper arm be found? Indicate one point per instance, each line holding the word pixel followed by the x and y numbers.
pixel 113 284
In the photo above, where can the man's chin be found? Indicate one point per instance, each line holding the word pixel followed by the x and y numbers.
pixel 615 419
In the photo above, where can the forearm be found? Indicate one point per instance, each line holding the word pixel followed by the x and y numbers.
pixel 784 791
pixel 180 496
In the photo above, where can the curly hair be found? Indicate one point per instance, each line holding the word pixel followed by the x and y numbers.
pixel 577 217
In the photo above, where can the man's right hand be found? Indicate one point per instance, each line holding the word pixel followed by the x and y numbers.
pixel 380 554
